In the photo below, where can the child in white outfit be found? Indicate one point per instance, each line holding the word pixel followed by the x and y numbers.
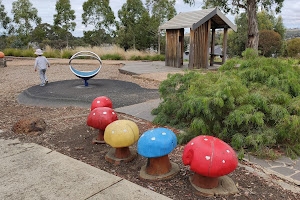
pixel 42 62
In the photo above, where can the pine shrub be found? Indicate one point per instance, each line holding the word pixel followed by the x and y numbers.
pixel 252 103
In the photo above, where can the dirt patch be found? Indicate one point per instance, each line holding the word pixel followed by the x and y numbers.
pixel 67 133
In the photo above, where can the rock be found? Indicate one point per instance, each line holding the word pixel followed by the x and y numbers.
pixel 31 126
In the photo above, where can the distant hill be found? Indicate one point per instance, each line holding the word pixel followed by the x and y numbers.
pixel 292 33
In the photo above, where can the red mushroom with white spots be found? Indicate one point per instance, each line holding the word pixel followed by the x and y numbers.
pixel 210 158
pixel 101 102
pixel 100 118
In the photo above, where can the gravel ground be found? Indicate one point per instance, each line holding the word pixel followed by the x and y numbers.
pixel 67 132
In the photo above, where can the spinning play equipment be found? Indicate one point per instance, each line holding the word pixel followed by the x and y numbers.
pixel 85 75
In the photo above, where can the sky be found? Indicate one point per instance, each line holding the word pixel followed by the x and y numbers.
pixel 46 10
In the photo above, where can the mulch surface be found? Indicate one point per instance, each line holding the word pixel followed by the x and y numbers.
pixel 72 137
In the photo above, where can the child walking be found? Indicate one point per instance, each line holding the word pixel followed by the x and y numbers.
pixel 42 62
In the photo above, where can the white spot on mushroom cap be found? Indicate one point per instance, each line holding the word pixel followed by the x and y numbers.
pixel 228 151
pixel 164 133
pixel 104 113
pixel 125 130
pixel 192 143
pixel 98 101
pixel 151 131
pixel 205 139
pixel 153 138
pixel 113 113
pixel 94 113
pixel 112 132
pixel 223 161
pixel 207 157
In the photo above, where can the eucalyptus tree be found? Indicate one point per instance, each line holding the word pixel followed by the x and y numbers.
pixel 65 16
pixel 127 29
pixel 25 17
pixel 250 6
pixel 98 14
pixel 161 11
pixel 4 19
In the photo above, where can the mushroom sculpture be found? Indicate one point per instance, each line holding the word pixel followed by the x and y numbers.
pixel 99 118
pixel 155 145
pixel 101 102
pixel 210 159
pixel 2 55
pixel 120 135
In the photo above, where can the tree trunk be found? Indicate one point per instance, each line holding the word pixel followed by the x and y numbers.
pixel 253 35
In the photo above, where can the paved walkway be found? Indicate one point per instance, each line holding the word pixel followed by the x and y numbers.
pixel 30 171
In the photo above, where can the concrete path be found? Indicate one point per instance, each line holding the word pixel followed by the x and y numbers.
pixel 283 167
pixel 30 171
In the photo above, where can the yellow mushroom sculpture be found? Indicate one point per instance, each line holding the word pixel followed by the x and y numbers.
pixel 120 135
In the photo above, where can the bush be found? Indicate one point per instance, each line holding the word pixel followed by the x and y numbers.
pixel 293 47
pixel 254 106
pixel 112 57
pixel 67 54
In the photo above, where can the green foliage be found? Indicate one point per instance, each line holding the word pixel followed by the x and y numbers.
pixel 293 47
pixel 112 57
pixel 153 58
pixel 67 54
pixel 254 106
pixel 24 17
pixel 52 54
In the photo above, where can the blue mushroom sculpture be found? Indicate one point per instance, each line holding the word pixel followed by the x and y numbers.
pixel 156 144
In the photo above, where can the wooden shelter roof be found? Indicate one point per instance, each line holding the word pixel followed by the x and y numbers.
pixel 194 19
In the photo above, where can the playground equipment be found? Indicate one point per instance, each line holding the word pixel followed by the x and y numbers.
pixel 85 75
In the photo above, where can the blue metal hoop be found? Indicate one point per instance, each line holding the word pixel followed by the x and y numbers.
pixel 86 75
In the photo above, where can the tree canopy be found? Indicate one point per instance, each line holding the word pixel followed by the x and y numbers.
pixel 25 17
pixel 4 19
pixel 65 16
pixel 97 13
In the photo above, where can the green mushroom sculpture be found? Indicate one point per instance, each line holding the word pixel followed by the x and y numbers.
pixel 155 145
pixel 120 135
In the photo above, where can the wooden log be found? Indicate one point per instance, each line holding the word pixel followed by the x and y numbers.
pixel 212 47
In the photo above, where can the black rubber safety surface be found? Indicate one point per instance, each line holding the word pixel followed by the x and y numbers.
pixel 74 93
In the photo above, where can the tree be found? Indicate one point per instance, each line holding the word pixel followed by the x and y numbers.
pixel 266 21
pixel 65 17
pixel 269 43
pixel 250 6
pixel 162 10
pixel 129 15
pixel 96 37
pixel 25 17
pixel 4 19
pixel 97 13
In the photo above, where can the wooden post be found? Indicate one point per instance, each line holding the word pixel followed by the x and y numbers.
pixel 224 45
pixel 158 42
pixel 178 49
pixel 166 49
pixel 191 55
pixel 212 47
pixel 207 43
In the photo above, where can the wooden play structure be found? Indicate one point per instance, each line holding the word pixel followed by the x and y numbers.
pixel 203 25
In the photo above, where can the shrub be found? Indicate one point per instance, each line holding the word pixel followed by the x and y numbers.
pixel 112 57
pixel 28 53
pixel 254 106
pixel 293 47
pixel 67 53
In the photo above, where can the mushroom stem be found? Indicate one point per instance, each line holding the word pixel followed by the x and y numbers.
pixel 122 152
pixel 205 181
pixel 100 135
pixel 159 165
